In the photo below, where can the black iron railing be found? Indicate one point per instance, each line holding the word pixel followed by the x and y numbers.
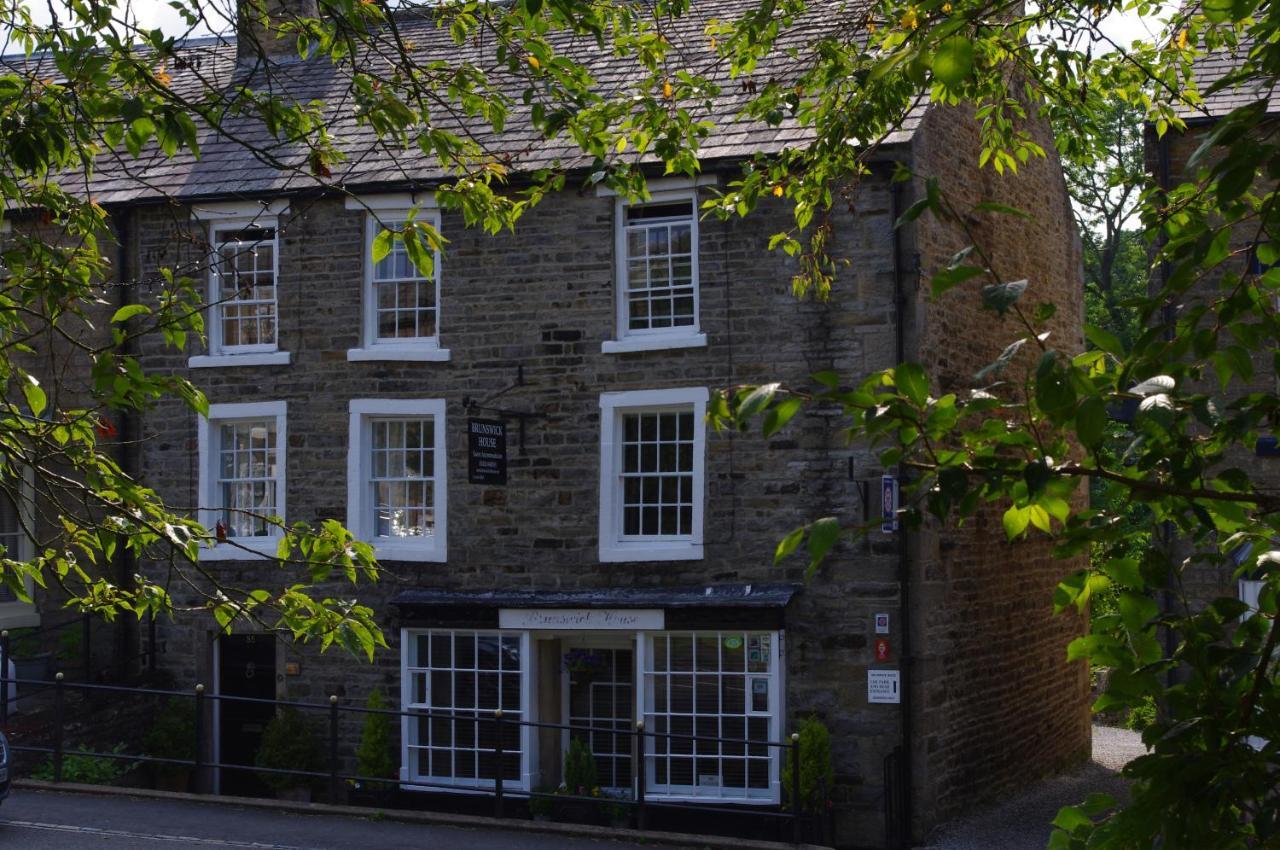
pixel 789 814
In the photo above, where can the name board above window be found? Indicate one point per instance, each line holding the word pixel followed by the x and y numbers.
pixel 486 451
pixel 624 619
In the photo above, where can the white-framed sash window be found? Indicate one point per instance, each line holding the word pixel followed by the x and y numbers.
pixel 656 249
pixel 242 451
pixel 397 497
pixel 452 681
pixel 652 474
pixel 400 303
pixel 17 521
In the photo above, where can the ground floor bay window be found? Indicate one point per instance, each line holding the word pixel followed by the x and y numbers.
pixel 711 701
pixel 711 692
pixel 453 683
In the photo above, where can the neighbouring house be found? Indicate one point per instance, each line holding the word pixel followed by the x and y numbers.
pixel 521 434
pixel 1204 575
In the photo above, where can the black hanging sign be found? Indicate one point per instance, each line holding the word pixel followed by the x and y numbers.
pixel 486 451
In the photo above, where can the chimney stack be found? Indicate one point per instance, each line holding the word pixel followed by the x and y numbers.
pixel 258 43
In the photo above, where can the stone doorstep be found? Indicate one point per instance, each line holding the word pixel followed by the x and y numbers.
pixel 577 830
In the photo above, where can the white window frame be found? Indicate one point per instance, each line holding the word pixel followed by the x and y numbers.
pixel 653 339
pixel 359 500
pixel 208 437
pixel 393 209
pixel 777 710
pixel 18 614
pixel 528 757
pixel 233 216
pixel 614 548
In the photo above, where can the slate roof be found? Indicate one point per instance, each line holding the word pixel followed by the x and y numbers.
pixel 711 596
pixel 227 168
pixel 1210 69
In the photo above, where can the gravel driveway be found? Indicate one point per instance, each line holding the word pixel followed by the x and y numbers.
pixel 1023 823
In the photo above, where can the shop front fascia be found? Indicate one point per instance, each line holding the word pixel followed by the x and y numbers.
pixel 703 667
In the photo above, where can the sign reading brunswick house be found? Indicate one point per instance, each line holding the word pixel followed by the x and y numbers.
pixel 486 451
pixel 619 570
pixel 579 618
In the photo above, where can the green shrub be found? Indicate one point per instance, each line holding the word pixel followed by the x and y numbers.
pixel 817 773
pixel 1141 716
pixel 86 769
pixel 579 769
pixel 290 742
pixel 373 757
pixel 173 732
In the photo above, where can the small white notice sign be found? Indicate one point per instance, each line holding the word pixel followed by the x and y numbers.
pixel 882 624
pixel 622 619
pixel 883 686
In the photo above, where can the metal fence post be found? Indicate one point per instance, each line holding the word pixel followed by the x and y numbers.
pixel 638 767
pixel 795 787
pixel 151 643
pixel 333 749
pixel 499 768
pixel 58 698
pixel 4 677
pixel 199 765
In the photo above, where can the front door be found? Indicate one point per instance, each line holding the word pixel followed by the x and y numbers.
pixel 599 696
pixel 246 668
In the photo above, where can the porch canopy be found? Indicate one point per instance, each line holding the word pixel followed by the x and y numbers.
pixel 717 606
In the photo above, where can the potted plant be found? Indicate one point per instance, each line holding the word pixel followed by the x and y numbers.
pixel 579 781
pixel 172 735
pixel 373 756
pixel 541 807
pixel 817 773
pixel 290 742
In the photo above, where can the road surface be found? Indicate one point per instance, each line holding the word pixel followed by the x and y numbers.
pixel 41 820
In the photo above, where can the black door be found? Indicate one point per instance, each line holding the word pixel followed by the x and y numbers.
pixel 246 668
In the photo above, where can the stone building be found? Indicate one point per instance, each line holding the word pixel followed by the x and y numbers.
pixel 521 434
pixel 1204 575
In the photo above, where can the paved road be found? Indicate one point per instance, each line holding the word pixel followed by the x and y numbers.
pixel 1022 823
pixel 39 820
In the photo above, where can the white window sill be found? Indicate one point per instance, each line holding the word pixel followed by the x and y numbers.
pixel 416 353
pixel 255 358
pixel 654 342
pixel 617 553
pixel 409 553
pixel 248 549
pixel 18 615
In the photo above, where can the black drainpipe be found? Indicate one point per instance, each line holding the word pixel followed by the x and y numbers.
pixel 125 449
pixel 904 564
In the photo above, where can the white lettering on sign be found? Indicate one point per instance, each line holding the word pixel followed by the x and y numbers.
pixel 883 686
pixel 640 619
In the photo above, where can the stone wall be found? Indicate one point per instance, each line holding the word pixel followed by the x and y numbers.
pixel 996 703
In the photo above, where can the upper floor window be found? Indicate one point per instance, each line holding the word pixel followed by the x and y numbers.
pixel 243 292
pixel 242 475
pixel 401 302
pixel 16 516
pixel 243 289
pixel 652 474
pixel 657 273
pixel 396 477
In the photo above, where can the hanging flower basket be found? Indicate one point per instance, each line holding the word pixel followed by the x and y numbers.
pixel 583 665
